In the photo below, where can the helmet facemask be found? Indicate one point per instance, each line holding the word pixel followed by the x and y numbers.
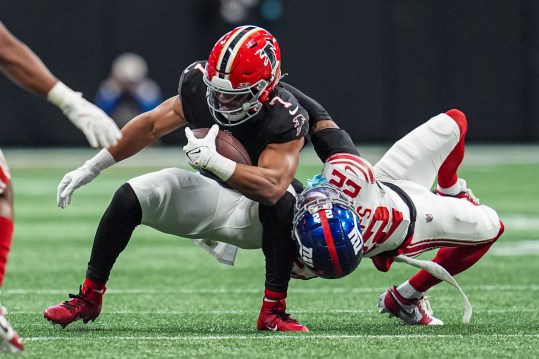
pixel 235 105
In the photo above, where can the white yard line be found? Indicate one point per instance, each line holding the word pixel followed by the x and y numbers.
pixel 160 157
pixel 520 222
pixel 146 291
pixel 282 336
pixel 515 248
pixel 255 311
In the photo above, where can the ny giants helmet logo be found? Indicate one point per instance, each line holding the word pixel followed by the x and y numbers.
pixel 355 239
pixel 306 255
pixel 268 54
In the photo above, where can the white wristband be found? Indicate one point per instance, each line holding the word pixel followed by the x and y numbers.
pixel 102 160
pixel 60 95
pixel 219 165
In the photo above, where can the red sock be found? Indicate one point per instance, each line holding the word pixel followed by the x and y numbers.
pixel 274 296
pixel 93 289
pixel 447 174
pixel 454 260
pixel 6 236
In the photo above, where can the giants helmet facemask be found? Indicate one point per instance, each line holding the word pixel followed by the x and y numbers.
pixel 243 68
pixel 327 231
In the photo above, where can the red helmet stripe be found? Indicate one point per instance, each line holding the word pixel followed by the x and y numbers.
pixel 331 245
pixel 231 48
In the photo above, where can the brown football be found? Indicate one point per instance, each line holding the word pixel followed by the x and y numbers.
pixel 227 146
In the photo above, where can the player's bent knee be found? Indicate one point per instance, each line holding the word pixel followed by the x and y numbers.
pixel 125 204
pixel 500 232
pixel 460 118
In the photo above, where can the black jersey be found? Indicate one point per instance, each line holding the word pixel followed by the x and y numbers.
pixel 281 119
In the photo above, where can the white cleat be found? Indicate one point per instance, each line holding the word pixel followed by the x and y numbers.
pixel 9 339
pixel 410 311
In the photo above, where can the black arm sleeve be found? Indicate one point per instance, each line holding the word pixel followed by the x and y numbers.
pixel 329 141
pixel 315 110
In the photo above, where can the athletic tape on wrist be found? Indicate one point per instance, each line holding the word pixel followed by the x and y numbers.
pixel 220 166
pixel 102 160
pixel 60 94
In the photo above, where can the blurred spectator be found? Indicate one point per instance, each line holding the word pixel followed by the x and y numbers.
pixel 239 11
pixel 128 91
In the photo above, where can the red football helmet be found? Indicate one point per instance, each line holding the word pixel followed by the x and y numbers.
pixel 243 68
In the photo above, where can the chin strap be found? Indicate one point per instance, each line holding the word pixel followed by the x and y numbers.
pixel 441 273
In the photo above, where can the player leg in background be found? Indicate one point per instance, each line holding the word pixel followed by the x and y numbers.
pixel 9 339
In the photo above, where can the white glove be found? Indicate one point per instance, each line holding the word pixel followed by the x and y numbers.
pixel 99 129
pixel 82 175
pixel 72 181
pixel 201 153
pixel 196 147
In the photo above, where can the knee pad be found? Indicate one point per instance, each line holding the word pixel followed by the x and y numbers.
pixel 125 205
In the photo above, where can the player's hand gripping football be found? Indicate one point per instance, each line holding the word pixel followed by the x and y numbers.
pixel 99 129
pixel 73 180
pixel 202 153
pixel 199 150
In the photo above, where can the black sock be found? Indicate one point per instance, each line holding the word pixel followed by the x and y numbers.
pixel 113 233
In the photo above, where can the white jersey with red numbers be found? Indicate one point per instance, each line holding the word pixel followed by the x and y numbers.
pixel 411 164
pixel 5 176
pixel 385 217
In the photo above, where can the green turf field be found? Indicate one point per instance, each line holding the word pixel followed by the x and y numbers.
pixel 169 299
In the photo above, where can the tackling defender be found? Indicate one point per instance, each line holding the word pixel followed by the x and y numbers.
pixel 239 85
pixel 22 65
pixel 399 217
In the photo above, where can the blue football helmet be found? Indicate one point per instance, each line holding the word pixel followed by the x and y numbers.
pixel 327 231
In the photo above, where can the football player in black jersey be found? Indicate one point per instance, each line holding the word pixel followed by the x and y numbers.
pixel 238 84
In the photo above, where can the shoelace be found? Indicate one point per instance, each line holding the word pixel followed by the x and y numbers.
pixel 424 306
pixel 468 192
pixel 76 301
pixel 285 317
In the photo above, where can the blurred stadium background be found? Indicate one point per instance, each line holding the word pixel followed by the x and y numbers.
pixel 380 68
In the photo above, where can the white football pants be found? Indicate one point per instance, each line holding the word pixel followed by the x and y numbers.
pixel 412 163
pixel 190 205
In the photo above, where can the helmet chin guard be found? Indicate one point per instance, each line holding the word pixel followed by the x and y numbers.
pixel 242 70
pixel 327 230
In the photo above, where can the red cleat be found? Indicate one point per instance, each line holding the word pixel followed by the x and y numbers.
pixel 9 339
pixel 86 306
pixel 273 317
